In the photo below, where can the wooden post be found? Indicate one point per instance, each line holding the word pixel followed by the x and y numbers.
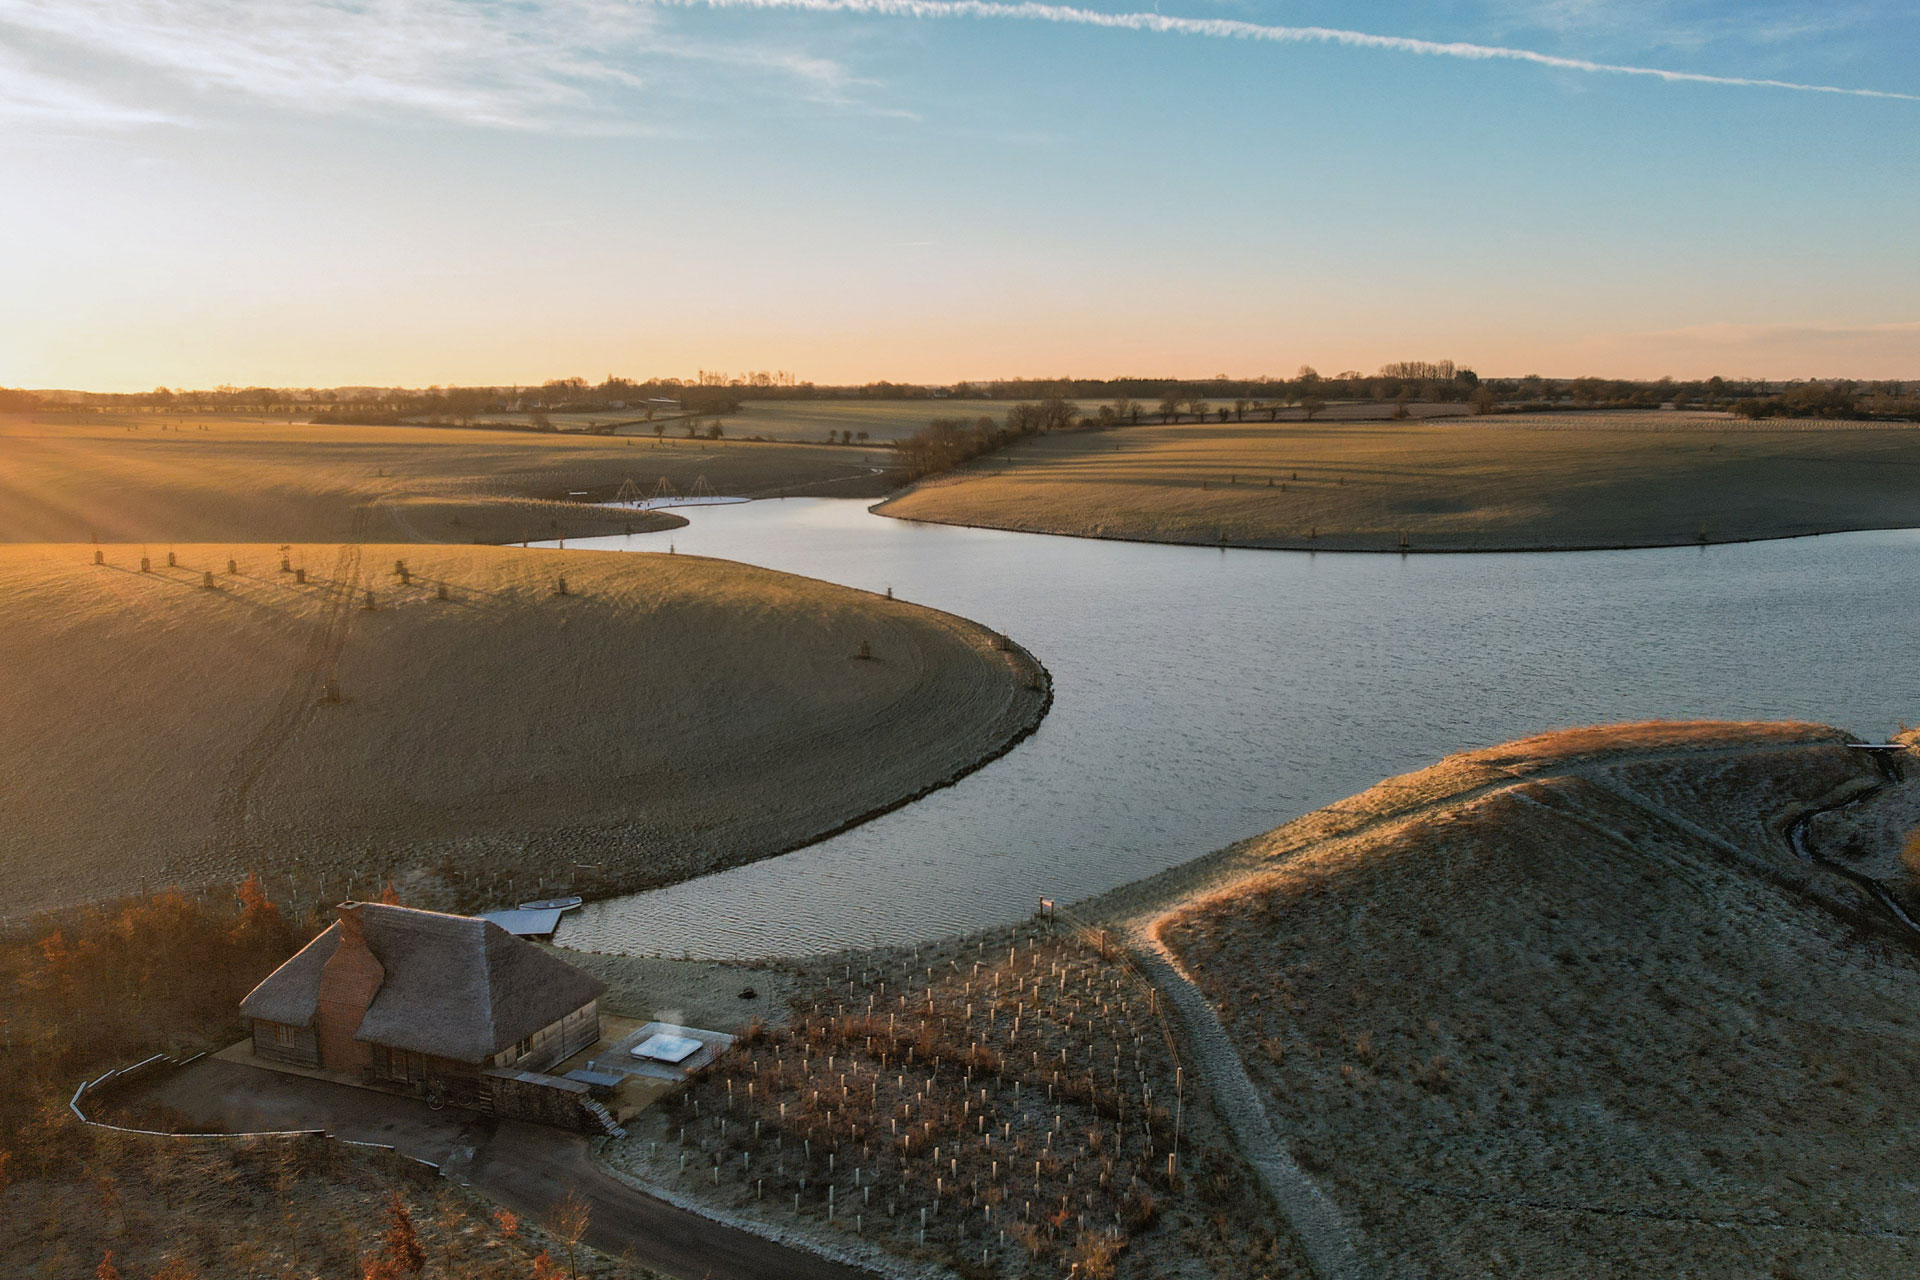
pixel 300 576
pixel 99 557
pixel 146 565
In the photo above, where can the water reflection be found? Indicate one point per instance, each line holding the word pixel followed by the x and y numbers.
pixel 1204 695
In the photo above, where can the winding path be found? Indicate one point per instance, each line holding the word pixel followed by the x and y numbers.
pixel 1318 1223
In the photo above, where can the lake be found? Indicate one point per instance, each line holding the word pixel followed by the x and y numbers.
pixel 1204 695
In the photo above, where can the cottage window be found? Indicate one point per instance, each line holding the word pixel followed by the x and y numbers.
pixel 284 1035
pixel 524 1048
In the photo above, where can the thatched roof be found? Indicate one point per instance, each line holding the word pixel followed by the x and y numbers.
pixel 456 986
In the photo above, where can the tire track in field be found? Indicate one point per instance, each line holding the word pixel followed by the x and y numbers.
pixel 227 845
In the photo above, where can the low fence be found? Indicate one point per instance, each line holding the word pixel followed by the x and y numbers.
pixel 120 1075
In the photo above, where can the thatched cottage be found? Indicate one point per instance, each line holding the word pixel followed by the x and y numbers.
pixel 450 1005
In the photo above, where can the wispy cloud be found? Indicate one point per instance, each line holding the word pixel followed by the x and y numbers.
pixel 1668 24
pixel 508 64
pixel 1233 29
pixel 583 66
pixel 28 96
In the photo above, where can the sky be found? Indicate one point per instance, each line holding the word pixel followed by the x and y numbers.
pixel 417 192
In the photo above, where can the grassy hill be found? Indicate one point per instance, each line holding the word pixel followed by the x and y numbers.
pixel 142 477
pixel 1575 1007
pixel 1555 481
pixel 667 716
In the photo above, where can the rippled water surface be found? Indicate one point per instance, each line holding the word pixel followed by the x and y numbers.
pixel 1205 695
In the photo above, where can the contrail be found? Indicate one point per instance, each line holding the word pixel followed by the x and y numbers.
pixel 1229 29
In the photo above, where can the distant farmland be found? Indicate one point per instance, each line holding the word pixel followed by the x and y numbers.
pixel 882 420
pixel 1551 481
pixel 156 477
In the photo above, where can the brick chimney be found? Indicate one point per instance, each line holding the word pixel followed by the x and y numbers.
pixel 348 984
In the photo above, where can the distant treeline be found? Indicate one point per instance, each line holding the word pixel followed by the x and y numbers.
pixel 1403 382
pixel 375 406
pixel 1817 400
pixel 945 443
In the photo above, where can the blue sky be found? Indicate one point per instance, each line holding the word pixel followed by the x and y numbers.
pixel 375 192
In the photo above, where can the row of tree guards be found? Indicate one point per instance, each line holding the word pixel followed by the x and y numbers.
pixel 369 601
pixel 1022 1104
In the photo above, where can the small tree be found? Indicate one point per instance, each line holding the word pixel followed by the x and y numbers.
pixel 401 1253
pixel 1312 405
pixel 567 1223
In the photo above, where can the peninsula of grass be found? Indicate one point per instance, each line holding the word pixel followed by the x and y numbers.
pixel 476 724
pixel 1546 482
pixel 148 477
pixel 1578 1006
